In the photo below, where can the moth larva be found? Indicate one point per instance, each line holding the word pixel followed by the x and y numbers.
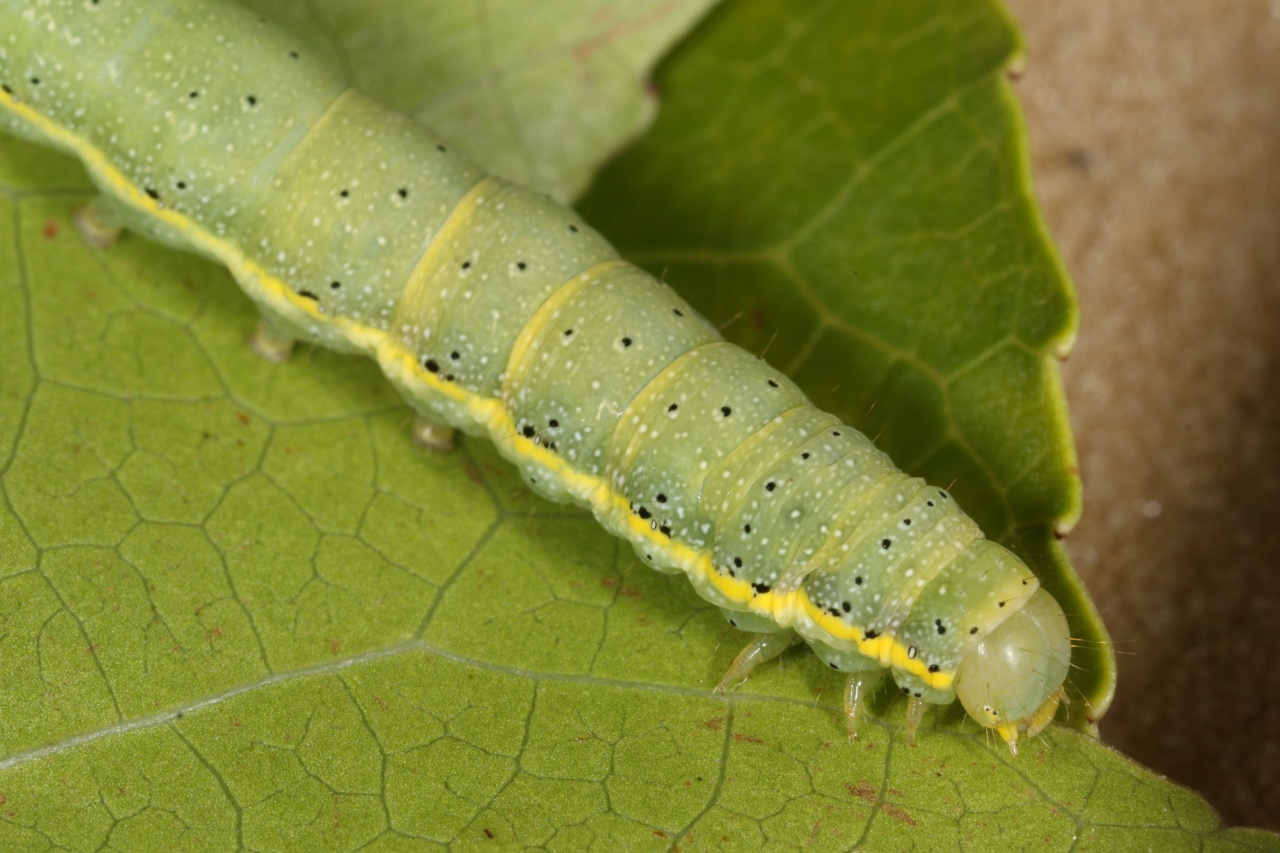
pixel 499 312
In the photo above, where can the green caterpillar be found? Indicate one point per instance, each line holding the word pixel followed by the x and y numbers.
pixel 497 311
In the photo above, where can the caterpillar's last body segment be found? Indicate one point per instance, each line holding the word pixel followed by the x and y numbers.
pixel 499 312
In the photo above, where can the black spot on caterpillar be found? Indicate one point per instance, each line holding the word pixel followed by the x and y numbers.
pixel 410 307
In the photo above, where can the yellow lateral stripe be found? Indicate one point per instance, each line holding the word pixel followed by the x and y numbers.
pixel 97 163
pixel 884 648
pixel 500 422
pixel 486 410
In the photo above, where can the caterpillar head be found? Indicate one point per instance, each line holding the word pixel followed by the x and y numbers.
pixel 1012 681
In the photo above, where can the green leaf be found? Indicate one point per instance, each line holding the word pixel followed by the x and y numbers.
pixel 239 608
pixel 540 94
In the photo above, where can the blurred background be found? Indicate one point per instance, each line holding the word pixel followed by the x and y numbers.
pixel 1155 139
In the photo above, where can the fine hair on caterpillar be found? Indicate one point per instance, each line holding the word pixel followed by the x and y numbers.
pixel 499 312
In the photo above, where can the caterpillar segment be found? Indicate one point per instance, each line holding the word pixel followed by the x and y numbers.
pixel 496 311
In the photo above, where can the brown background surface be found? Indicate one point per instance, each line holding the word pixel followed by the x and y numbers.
pixel 1155 137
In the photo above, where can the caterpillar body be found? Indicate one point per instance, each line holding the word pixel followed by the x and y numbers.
pixel 499 312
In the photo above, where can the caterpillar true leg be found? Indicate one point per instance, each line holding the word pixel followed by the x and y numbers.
pixel 761 649
pixel 432 436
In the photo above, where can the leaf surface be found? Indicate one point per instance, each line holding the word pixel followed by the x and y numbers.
pixel 240 608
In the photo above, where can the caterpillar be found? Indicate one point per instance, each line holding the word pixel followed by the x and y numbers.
pixel 498 312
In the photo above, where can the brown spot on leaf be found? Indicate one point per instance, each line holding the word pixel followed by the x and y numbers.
pixel 863 791
pixel 898 813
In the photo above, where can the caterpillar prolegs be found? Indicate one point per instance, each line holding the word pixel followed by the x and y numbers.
pixel 501 313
